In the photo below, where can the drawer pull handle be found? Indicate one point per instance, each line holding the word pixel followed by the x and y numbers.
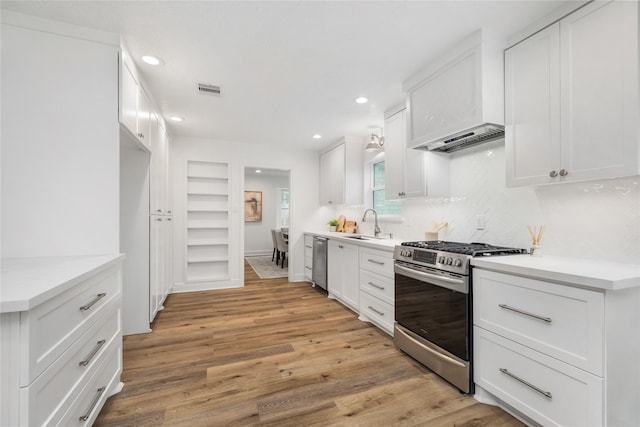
pixel 307 246
pixel 375 262
pixel 376 311
pixel 528 384
pixel 526 313
pixel 376 286
pixel 93 404
pixel 91 304
pixel 91 355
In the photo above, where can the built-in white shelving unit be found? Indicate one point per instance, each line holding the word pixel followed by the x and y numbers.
pixel 207 221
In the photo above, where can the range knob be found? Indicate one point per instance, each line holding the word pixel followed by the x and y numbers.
pixel 405 253
pixel 441 259
pixel 449 261
pixel 457 262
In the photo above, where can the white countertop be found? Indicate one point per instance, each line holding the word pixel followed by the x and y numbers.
pixel 608 276
pixel 369 242
pixel 28 282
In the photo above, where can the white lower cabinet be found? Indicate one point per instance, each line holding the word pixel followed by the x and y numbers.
pixel 308 257
pixel 557 353
pixel 62 358
pixel 342 273
pixel 543 388
pixel 377 288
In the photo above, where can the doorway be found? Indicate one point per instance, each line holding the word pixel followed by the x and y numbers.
pixel 267 207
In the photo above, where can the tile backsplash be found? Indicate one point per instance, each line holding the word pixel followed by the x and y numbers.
pixel 597 220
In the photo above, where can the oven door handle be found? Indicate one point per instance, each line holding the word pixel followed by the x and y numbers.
pixel 454 284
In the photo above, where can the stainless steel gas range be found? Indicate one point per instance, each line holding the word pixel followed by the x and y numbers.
pixel 433 304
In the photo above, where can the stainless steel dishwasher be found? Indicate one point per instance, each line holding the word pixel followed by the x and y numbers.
pixel 319 272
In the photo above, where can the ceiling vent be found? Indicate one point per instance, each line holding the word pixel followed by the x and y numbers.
pixel 210 89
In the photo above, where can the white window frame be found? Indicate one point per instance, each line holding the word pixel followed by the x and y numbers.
pixel 370 189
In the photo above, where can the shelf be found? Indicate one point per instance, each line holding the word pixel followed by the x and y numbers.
pixel 207 210
pixel 207 240
pixel 202 193
pixel 207 178
pixel 207 260
pixel 209 243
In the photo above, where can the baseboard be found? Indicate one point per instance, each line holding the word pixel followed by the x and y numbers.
pixel 258 253
pixel 205 286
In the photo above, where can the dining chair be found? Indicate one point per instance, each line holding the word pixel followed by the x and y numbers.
pixel 283 247
pixel 275 246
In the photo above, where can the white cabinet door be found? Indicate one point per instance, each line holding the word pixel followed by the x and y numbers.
pixel 156 263
pixel 342 173
pixel 343 273
pixel 599 89
pixel 156 182
pixel 532 108
pixel 328 170
pixel 335 284
pixel 351 276
pixel 128 99
pixel 144 118
pixel 395 151
pixel 572 99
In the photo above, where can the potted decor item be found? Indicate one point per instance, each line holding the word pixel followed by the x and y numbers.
pixel 333 223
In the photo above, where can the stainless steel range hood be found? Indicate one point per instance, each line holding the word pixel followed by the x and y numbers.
pixel 465 139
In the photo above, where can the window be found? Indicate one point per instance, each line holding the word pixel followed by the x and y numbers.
pixel 283 208
pixel 382 206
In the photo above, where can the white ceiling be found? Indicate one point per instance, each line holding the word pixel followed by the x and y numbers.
pixel 287 69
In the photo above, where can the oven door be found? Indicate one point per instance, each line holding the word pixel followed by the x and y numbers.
pixel 435 306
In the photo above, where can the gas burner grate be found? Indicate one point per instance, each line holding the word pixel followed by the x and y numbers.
pixel 471 249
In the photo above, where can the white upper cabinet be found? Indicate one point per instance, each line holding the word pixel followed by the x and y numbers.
pixel 128 98
pixel 571 94
pixel 409 172
pixel 159 185
pixel 461 90
pixel 342 173
pixel 135 111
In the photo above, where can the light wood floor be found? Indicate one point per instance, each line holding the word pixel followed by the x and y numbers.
pixel 276 353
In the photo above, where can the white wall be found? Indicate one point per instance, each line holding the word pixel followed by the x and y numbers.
pixel 597 220
pixel 257 235
pixel 303 167
pixel 60 153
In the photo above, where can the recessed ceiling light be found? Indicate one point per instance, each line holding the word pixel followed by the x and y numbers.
pixel 317 136
pixel 177 119
pixel 152 60
pixel 361 100
pixel 258 171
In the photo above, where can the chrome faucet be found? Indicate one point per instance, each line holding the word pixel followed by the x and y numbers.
pixel 376 229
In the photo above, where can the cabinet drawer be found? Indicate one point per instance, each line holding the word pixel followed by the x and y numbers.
pixel 377 261
pixel 377 311
pixel 50 328
pixel 520 377
pixel 308 240
pixel 561 321
pixel 308 262
pixel 377 285
pixel 308 273
pixel 308 251
pixel 96 391
pixel 58 385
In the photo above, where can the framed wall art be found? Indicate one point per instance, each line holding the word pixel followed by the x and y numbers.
pixel 253 206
